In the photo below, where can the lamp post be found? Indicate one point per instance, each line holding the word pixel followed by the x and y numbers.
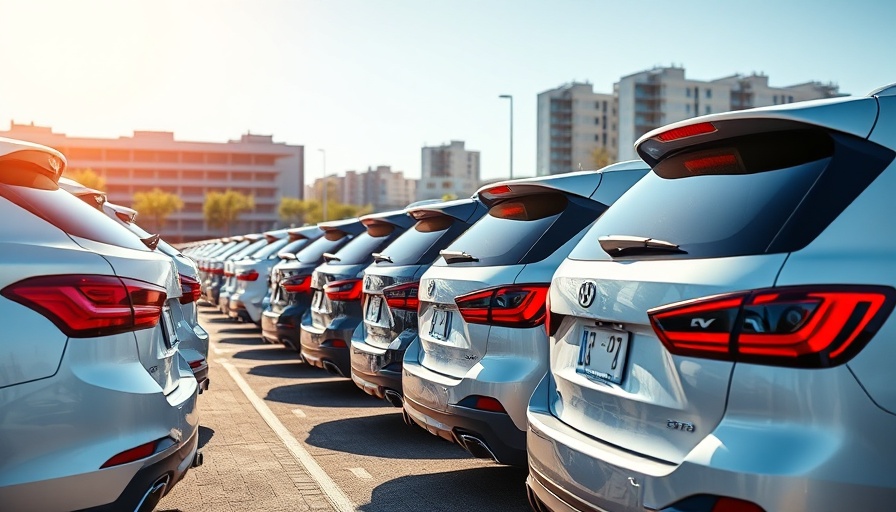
pixel 324 195
pixel 510 97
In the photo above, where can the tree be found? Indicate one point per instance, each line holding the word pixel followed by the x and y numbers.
pixel 157 205
pixel 449 197
pixel 87 177
pixel 294 211
pixel 221 209
pixel 601 157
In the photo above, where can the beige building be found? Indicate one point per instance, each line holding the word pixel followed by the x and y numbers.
pixel 574 122
pixel 380 187
pixel 653 98
pixel 448 169
pixel 254 165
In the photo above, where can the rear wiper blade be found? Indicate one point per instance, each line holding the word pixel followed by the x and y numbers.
pixel 378 257
pixel 621 245
pixel 328 257
pixel 457 256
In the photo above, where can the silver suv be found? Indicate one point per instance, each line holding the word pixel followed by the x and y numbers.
pixel 97 406
pixel 722 337
pixel 482 347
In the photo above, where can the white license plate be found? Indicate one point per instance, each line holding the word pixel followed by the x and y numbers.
pixel 602 353
pixel 373 308
pixel 168 330
pixel 441 322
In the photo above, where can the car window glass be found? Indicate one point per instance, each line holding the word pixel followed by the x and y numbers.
pixel 271 249
pixel 415 242
pixel 314 251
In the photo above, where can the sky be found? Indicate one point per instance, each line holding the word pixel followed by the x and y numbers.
pixel 371 82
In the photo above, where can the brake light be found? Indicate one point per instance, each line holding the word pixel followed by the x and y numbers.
pixel 802 326
pixel 189 289
pixel 403 296
pixel 345 290
pixel 512 211
pixel 296 284
pixel 509 306
pixel 498 191
pixel 227 273
pixel 84 306
pixel 247 275
pixel 218 271
pixel 716 163
pixel 686 131
pixel 725 504
pixel 196 363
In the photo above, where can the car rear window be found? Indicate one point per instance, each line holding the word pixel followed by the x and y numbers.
pixel 761 193
pixel 363 246
pixel 415 243
pixel 524 229
pixel 71 215
pixel 315 251
pixel 271 249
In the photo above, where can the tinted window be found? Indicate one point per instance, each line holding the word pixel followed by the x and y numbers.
pixel 315 251
pixel 360 249
pixel 525 229
pixel 294 246
pixel 250 249
pixel 72 215
pixel 408 248
pixel 750 195
pixel 271 249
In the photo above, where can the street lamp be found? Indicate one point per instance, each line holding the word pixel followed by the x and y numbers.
pixel 510 97
pixel 324 201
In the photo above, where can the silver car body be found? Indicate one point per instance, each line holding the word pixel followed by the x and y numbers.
pixel 455 361
pixel 253 276
pixel 747 423
pixel 70 404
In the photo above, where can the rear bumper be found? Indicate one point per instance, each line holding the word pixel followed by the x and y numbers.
pixel 377 370
pixel 317 348
pixel 284 326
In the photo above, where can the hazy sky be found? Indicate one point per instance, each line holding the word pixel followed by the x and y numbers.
pixel 372 81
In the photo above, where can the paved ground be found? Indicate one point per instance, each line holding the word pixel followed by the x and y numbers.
pixel 248 468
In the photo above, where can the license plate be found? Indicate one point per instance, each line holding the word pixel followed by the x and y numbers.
pixel 373 308
pixel 441 322
pixel 602 353
pixel 168 330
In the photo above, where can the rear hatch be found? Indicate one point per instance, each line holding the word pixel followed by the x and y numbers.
pixel 292 282
pixel 729 197
pixel 391 283
pixel 527 222
pixel 336 285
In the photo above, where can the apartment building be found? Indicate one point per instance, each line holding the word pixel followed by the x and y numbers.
pixel 656 97
pixel 380 187
pixel 574 122
pixel 448 169
pixel 254 165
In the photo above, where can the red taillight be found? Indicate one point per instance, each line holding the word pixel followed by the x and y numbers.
pixel 91 305
pixel 216 271
pixel 296 284
pixel 725 504
pixel 247 275
pixel 190 289
pixel 809 327
pixel 345 290
pixel 498 191
pixel 403 296
pixel 136 453
pixel 197 363
pixel 512 211
pixel 718 164
pixel 509 306
pixel 686 131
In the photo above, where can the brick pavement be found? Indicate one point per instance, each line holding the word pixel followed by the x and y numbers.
pixel 247 468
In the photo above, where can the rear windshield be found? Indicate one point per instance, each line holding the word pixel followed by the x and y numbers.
pixel 360 249
pixel 415 243
pixel 315 251
pixel 765 193
pixel 72 215
pixel 294 246
pixel 270 250
pixel 525 229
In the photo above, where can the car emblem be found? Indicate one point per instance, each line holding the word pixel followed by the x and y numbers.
pixel 431 288
pixel 587 291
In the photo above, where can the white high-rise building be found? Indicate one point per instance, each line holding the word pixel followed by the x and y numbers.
pixel 574 122
pixel 448 169
pixel 381 188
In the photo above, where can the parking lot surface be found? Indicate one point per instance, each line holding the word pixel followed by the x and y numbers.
pixel 279 435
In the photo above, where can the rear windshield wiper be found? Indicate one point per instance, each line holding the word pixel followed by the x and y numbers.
pixel 623 245
pixel 328 257
pixel 457 256
pixel 378 257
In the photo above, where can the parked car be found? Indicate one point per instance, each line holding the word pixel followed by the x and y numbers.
pixel 213 265
pixel 299 238
pixel 192 337
pixel 291 282
pixel 722 336
pixel 391 287
pixel 97 406
pixel 252 275
pixel 335 311
pixel 482 347
pixel 228 283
